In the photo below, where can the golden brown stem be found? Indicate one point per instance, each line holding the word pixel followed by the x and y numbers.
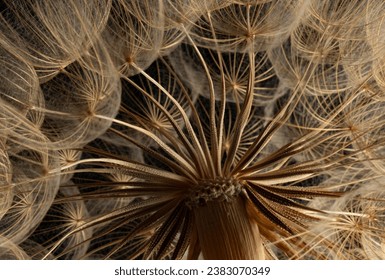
pixel 225 231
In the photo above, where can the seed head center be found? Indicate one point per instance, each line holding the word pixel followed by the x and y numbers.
pixel 217 189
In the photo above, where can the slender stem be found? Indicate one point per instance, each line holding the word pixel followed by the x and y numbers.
pixel 226 232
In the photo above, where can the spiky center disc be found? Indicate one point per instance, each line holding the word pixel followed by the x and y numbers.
pixel 217 189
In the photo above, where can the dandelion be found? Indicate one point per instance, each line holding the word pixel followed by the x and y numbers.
pixel 354 229
pixel 10 251
pixel 201 195
pixel 171 129
pixel 52 35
